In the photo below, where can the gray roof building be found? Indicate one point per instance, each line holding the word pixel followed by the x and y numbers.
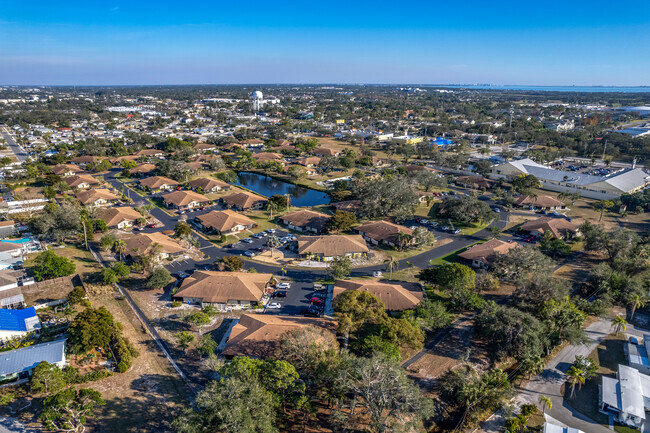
pixel 25 359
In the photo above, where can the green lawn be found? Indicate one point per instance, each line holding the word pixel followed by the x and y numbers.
pixel 406 274
pixel 451 257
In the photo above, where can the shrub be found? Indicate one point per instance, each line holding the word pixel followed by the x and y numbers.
pixel 122 367
pixel 76 295
pixel 176 304
pixel 7 398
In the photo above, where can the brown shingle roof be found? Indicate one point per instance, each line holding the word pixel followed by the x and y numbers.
pixel 485 251
pixel 143 168
pixel 149 152
pixel 267 156
pixel 207 184
pixel 259 335
pixel 540 201
pixel 383 230
pixel 224 220
pixel 183 198
pixel 395 296
pixel 157 181
pixel 144 241
pixel 242 199
pixel 115 215
pixel 92 195
pixel 558 226
pixel 306 218
pixel 76 180
pixel 66 168
pixel 332 245
pixel 220 287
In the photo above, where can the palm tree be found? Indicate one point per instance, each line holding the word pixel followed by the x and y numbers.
pixel 272 242
pixel 637 302
pixel 576 377
pixel 271 207
pixel 619 323
pixel 391 265
pixel 402 240
pixel 546 403
pixel 120 247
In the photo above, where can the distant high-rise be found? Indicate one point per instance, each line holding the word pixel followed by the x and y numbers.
pixel 258 100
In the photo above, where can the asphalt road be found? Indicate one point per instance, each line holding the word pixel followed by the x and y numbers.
pixel 18 151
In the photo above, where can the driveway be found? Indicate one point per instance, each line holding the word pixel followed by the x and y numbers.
pixel 550 381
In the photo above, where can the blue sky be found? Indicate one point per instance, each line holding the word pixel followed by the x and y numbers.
pixel 597 42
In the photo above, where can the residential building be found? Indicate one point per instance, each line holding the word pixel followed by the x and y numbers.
pixel 65 170
pixel 18 323
pixel 475 182
pixel 308 161
pixel 322 151
pixel 305 221
pixel 627 396
pixel 185 200
pixel 244 201
pixel 268 156
pixel 225 222
pixel 83 161
pixel 19 363
pixel 554 428
pixel 260 335
pixel 143 170
pixel 80 181
pixel 352 206
pixel 598 187
pixel 481 255
pixel 328 247
pixel 543 202
pixel 208 185
pixel 383 232
pixel 143 243
pixel 151 153
pixel 560 228
pixel 158 183
pixel 395 296
pixel 205 147
pixel 224 290
pixel 96 197
pixel 12 298
pixel 119 217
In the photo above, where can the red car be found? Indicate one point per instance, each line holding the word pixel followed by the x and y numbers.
pixel 530 239
pixel 316 300
pixel 152 226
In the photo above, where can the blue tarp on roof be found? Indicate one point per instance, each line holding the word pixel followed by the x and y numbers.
pixel 441 142
pixel 18 320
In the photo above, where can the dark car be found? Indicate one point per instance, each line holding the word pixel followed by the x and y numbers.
pixel 311 312
pixel 280 294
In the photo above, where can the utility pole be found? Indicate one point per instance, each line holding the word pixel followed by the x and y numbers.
pixel 604 149
pixel 512 111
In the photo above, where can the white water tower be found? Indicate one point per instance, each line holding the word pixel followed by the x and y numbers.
pixel 258 100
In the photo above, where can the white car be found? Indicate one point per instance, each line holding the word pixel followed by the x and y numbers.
pixel 274 306
pixel 284 286
pixel 270 231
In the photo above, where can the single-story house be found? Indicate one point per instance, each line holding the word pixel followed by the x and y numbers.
pixel 539 202
pixel 19 363
pixel 119 217
pixel 96 197
pixel 184 199
pixel 352 206
pixel 252 143
pixel 84 160
pixel 554 428
pixel 18 323
pixel 627 396
pixel 559 227
pixel 152 153
pixel 308 161
pixel 224 290
pixel 328 247
pixel 141 243
pixel 305 221
pixel 243 201
pixel 395 296
pixel 65 170
pixel 481 255
pixel 322 151
pixel 208 185
pixel 12 298
pixel 382 232
pixel 143 170
pixel 205 147
pixel 80 181
pixel 260 335
pixel 475 182
pixel 268 156
pixel 158 183
pixel 225 222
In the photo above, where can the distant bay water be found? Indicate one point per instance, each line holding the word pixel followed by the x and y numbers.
pixel 576 89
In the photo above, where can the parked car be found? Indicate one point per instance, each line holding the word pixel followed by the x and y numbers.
pixel 377 274
pixel 280 294
pixel 247 240
pixel 456 231
pixel 529 239
pixel 274 306
pixel 152 226
pixel 315 300
pixel 285 286
pixel 497 210
pixel 311 312
pixel 249 254
pixel 182 275
pixel 270 231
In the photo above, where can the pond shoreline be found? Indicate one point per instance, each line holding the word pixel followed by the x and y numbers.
pixel 313 196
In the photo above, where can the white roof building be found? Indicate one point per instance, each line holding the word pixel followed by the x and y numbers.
pixel 554 428
pixel 627 396
pixel 598 187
